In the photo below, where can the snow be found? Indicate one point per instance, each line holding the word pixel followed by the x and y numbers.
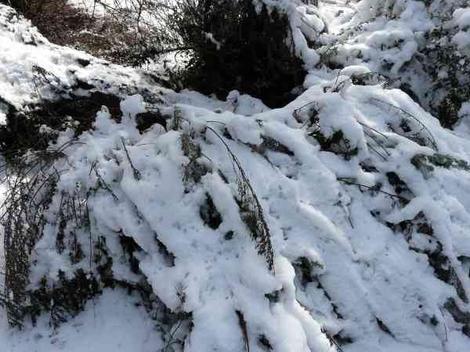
pixel 110 323
pixel 317 204
pixel 461 18
pixel 132 106
pixel 384 41
pixel 397 38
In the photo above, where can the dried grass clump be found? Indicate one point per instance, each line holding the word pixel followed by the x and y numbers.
pixel 250 207
pixel 31 182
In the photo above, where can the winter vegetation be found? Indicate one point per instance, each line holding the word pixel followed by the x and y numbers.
pixel 235 175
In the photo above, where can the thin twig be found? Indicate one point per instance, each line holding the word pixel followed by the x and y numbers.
pixel 137 174
pixel 371 188
pixel 423 126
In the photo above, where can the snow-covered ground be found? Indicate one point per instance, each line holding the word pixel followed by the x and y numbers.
pixel 112 322
pixel 353 226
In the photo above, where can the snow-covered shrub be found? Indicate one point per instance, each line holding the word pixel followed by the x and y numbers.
pixel 341 218
pixel 215 221
pixel 87 256
pixel 421 47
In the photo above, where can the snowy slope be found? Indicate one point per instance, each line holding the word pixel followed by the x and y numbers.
pixel 343 215
pixel 31 68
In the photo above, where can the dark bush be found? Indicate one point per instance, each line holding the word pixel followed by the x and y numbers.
pixel 234 46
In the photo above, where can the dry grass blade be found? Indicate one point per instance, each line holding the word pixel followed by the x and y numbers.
pixel 430 138
pixel 349 181
pixel 250 208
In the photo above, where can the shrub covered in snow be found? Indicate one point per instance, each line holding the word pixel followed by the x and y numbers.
pixel 422 47
pixel 232 227
pixel 337 222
